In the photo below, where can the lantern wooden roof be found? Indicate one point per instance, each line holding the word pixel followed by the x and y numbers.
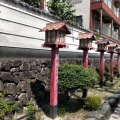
pixel 111 48
pixel 113 45
pixel 118 49
pixel 103 41
pixel 56 26
pixel 88 35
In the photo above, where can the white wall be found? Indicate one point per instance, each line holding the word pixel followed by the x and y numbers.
pixel 19 27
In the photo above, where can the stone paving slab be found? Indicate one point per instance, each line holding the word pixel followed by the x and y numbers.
pixel 116 114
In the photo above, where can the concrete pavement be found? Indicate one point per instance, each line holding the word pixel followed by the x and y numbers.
pixel 116 114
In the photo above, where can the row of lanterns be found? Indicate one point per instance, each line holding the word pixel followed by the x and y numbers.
pixel 55 34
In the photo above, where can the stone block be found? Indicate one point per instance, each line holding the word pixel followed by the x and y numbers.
pixel 27 75
pixel 21 76
pixel 33 65
pixel 113 103
pixel 10 88
pixel 29 93
pixel 0 65
pixel 25 66
pixel 1 86
pixel 22 86
pixel 116 96
pixel 7 77
pixel 32 74
pixel 106 110
pixel 39 77
pixel 38 62
pixel 6 66
pixel 23 99
pixel 16 79
pixel 38 68
pixel 14 70
pixel 9 98
pixel 16 63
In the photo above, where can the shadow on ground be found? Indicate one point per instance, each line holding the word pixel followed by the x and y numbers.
pixel 65 104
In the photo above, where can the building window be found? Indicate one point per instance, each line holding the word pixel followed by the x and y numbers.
pixel 79 20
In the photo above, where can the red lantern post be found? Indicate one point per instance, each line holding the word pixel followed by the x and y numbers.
pixel 118 62
pixel 112 50
pixel 85 44
pixel 102 47
pixel 55 39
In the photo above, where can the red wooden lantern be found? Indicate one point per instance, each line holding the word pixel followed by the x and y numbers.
pixel 102 45
pixel 85 43
pixel 118 50
pixel 54 38
pixel 55 34
pixel 112 48
pixel 118 62
pixel 85 40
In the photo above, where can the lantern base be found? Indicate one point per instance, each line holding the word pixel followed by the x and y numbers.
pixel 111 79
pixel 84 93
pixel 118 76
pixel 101 83
pixel 53 112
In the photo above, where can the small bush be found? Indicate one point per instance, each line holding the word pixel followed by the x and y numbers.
pixel 7 108
pixel 31 110
pixel 92 103
pixel 61 110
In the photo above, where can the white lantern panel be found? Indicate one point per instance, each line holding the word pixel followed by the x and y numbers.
pixel 103 46
pixel 52 36
pixel 48 32
pixel 61 37
pixel 86 43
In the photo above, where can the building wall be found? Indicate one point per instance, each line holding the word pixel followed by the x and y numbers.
pixel 20 26
pixel 83 8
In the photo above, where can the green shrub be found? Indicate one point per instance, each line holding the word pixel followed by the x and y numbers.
pixel 107 74
pixel 76 76
pixel 62 109
pixel 92 103
pixel 6 107
pixel 31 109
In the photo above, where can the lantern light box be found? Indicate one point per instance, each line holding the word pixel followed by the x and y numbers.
pixel 85 40
pixel 55 34
pixel 102 45
pixel 118 49
pixel 112 48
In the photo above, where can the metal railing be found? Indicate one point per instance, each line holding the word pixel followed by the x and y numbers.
pixel 105 28
pixel 97 25
pixel 115 35
pixel 108 3
pixel 116 12
pixel 97 0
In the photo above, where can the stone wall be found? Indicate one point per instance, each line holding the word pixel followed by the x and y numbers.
pixel 22 79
